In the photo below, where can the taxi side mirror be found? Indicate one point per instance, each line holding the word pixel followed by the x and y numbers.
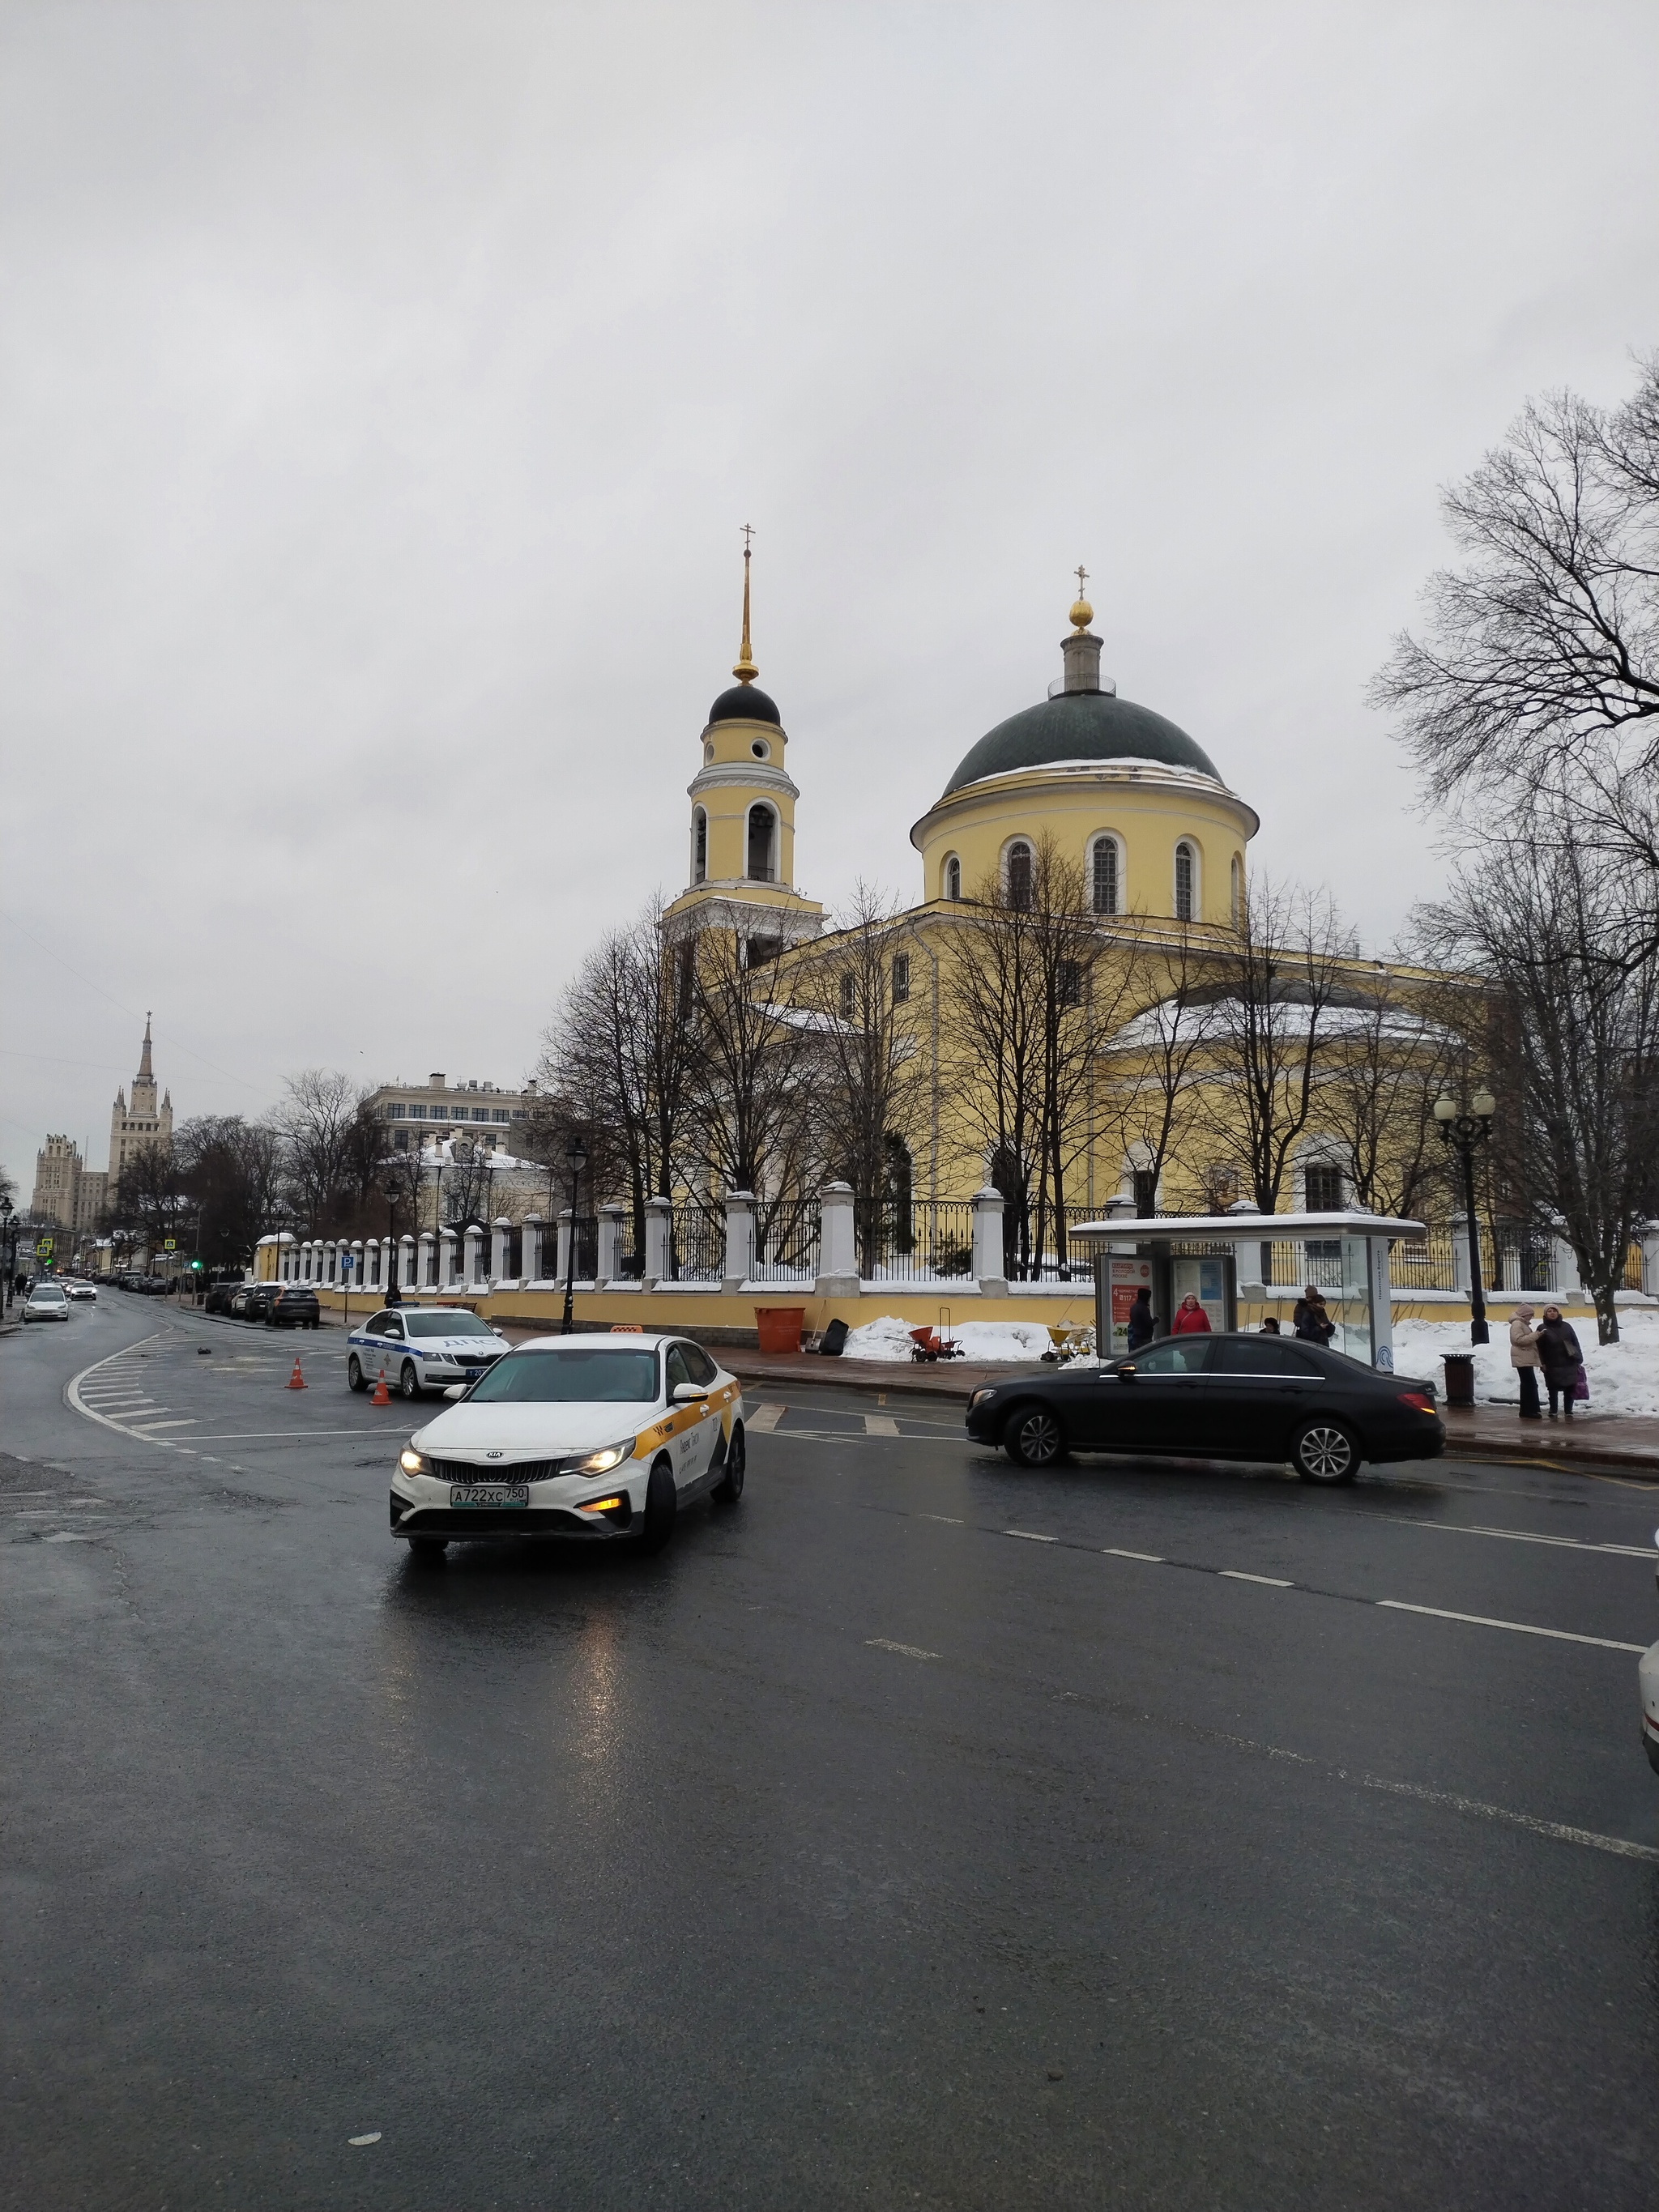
pixel 458 1390
pixel 686 1393
pixel 1126 1373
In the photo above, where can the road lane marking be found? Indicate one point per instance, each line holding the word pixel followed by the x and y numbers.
pixel 1303 1589
pixel 154 1428
pixel 1517 1627
pixel 1522 1536
pixel 950 1519
pixel 909 1651
pixel 880 1424
pixel 765 1419
pixel 1556 1830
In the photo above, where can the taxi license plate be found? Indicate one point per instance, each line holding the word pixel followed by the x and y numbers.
pixel 478 1493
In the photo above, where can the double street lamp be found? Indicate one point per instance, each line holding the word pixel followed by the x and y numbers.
pixel 8 1235
pixel 575 1154
pixel 1462 1134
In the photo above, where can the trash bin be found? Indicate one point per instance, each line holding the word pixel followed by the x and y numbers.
pixel 1460 1377
pixel 779 1327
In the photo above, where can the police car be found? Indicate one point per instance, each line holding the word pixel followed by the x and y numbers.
pixel 600 1439
pixel 421 1348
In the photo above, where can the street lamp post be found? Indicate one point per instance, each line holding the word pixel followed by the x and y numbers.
pixel 1461 1133
pixel 9 1237
pixel 575 1153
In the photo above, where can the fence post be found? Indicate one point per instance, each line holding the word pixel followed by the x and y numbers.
pixel 659 1213
pixel 610 1221
pixel 472 1253
pixel 988 1242
pixel 498 1248
pixel 1564 1263
pixel 530 1248
pixel 740 1239
pixel 838 1259
pixel 1649 1234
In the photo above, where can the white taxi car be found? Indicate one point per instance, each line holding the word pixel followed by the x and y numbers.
pixel 421 1348
pixel 598 1438
pixel 46 1302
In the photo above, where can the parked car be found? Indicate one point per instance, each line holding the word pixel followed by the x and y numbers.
pixel 594 1437
pixel 251 1300
pixel 219 1297
pixel 421 1348
pixel 1228 1396
pixel 46 1302
pixel 291 1305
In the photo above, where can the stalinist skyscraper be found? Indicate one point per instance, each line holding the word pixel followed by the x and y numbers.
pixel 143 1122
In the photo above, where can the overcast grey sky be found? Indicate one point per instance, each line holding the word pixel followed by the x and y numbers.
pixel 382 387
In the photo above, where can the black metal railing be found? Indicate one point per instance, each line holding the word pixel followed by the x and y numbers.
pixel 928 1241
pixel 696 1245
pixel 788 1238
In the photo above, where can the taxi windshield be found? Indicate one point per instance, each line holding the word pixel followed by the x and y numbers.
pixel 445 1320
pixel 569 1378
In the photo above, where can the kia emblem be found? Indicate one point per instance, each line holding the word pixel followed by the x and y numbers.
pixel 492 1455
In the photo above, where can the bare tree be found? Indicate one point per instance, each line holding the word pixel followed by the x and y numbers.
pixel 993 1009
pixel 872 1077
pixel 1536 687
pixel 1392 1044
pixel 749 1084
pixel 1277 970
pixel 321 1122
pixel 1579 1031
pixel 1151 1063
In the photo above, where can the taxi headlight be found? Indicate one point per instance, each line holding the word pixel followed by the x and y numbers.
pixel 602 1462
pixel 980 1396
pixel 414 1462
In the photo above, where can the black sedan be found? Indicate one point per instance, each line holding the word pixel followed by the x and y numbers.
pixel 1215 1397
pixel 290 1306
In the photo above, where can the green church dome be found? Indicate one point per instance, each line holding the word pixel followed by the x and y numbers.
pixel 1081 727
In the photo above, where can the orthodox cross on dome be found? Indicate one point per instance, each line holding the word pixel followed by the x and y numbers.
pixel 745 671
pixel 1082 613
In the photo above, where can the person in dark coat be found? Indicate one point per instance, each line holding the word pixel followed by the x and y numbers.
pixel 1557 1349
pixel 1310 1320
pixel 1270 1327
pixel 1141 1328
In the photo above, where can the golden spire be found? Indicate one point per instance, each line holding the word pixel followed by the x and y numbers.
pixel 745 671
pixel 1082 613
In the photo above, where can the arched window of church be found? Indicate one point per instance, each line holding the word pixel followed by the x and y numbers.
pixel 952 877
pixel 761 824
pixel 699 846
pixel 1019 874
pixel 1186 874
pixel 1238 890
pixel 1103 885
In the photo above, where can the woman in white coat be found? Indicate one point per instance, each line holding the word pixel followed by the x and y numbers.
pixel 1523 1358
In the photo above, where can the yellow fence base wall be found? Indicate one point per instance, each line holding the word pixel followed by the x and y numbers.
pixel 729 1318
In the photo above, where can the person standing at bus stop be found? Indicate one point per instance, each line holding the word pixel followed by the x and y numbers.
pixel 1523 1358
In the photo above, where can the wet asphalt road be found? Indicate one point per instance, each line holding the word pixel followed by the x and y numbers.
pixel 860 1850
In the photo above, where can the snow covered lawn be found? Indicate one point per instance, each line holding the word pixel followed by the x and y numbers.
pixel 1623 1377
pixel 889 1339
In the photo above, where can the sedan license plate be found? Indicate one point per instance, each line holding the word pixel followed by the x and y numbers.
pixel 494 1493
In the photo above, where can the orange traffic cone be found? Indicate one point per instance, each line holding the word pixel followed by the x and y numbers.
pixel 382 1395
pixel 296 1381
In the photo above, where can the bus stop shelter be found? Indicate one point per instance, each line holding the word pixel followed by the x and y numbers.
pixel 1226 1259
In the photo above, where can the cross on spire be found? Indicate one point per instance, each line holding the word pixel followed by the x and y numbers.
pixel 1082 576
pixel 745 671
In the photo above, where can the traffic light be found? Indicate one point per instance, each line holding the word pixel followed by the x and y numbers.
pixel 196 1266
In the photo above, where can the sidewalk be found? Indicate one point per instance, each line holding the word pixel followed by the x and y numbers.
pixel 1492 1432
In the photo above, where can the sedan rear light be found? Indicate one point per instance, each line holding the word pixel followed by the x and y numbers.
pixel 1416 1400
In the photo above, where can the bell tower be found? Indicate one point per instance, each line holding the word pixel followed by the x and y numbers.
pixel 741 862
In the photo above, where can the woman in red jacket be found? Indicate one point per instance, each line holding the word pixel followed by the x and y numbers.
pixel 1192 1320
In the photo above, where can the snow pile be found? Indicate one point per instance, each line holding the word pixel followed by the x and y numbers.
pixel 1623 1377
pixel 889 1339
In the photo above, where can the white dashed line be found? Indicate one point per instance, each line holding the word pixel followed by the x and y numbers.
pixel 1151 1559
pixel 907 1650
pixel 1031 1536
pixel 1238 1575
pixel 1515 1627
pixel 1524 1536
pixel 880 1424
pixel 765 1419
pixel 1556 1830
